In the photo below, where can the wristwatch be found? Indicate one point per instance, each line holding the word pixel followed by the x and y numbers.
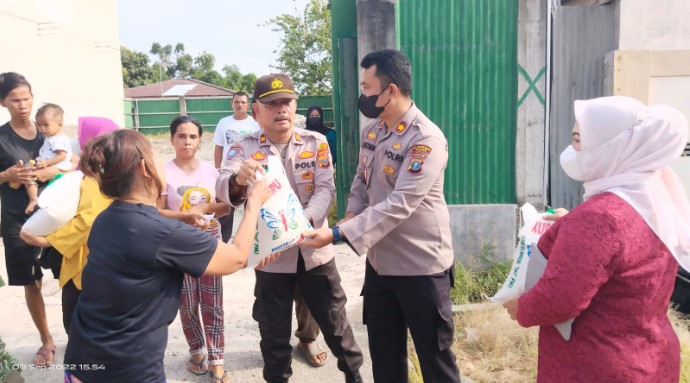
pixel 337 236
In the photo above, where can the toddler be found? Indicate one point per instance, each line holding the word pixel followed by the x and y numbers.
pixel 56 149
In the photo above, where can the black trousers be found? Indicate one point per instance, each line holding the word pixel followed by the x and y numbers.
pixel 326 300
pixel 392 304
pixel 226 223
pixel 70 296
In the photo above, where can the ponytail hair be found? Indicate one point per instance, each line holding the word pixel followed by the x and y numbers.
pixel 113 160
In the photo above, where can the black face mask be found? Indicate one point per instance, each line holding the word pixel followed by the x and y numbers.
pixel 314 121
pixel 367 105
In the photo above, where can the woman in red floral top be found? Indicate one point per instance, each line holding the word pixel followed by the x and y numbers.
pixel 612 260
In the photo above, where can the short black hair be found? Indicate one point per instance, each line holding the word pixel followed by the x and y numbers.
pixel 10 81
pixel 55 108
pixel 240 93
pixel 392 67
pixel 181 120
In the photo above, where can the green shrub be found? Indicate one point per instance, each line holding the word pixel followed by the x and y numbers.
pixel 473 286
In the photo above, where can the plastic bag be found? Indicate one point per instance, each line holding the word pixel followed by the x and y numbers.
pixel 58 204
pixel 281 219
pixel 532 229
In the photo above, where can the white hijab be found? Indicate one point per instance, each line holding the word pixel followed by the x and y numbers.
pixel 627 149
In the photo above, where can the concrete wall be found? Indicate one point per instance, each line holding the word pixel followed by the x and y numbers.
pixel 375 31
pixel 68 50
pixel 654 25
pixel 531 102
pixel 483 233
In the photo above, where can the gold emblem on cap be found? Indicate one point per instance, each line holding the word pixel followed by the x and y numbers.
pixel 276 84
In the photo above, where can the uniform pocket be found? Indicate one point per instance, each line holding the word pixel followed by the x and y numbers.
pixel 446 329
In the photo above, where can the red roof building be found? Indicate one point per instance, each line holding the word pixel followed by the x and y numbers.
pixel 177 88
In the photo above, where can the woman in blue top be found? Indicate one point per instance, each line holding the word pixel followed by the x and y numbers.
pixel 132 282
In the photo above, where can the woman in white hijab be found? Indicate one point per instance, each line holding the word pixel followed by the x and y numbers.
pixel 612 260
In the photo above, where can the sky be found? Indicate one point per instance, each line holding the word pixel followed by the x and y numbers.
pixel 230 30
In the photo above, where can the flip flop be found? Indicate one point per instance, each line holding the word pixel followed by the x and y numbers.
pixel 222 379
pixel 310 351
pixel 48 353
pixel 200 364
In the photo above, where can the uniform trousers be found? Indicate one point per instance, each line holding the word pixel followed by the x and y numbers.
pixel 325 298
pixel 226 223
pixel 392 304
pixel 307 328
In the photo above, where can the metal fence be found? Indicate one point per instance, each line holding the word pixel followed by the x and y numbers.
pixel 153 115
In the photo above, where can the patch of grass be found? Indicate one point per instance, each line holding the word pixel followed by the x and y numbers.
pixel 414 374
pixel 491 347
pixel 681 325
pixel 474 286
pixel 333 215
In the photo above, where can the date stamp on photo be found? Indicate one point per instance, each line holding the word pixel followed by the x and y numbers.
pixel 55 366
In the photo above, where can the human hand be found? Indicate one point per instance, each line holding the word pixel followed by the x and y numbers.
pixel 267 260
pixel 40 164
pixel 318 238
pixel 202 208
pixel 33 240
pixel 46 174
pixel 247 172
pixel 512 308
pixel 197 220
pixel 20 174
pixel 558 214
pixel 259 192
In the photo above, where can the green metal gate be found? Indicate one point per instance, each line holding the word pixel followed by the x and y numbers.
pixel 464 63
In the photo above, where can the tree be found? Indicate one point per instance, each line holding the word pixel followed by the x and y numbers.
pixel 135 68
pixel 174 63
pixel 164 54
pixel 305 50
pixel 235 80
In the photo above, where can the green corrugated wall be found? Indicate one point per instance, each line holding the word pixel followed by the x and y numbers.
pixel 464 62
pixel 345 94
pixel 155 115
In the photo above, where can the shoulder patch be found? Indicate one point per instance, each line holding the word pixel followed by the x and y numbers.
pixel 415 165
pixel 233 151
pixel 323 161
pixel 420 150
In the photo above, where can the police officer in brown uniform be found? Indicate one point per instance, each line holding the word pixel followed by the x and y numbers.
pixel 397 215
pixel 307 162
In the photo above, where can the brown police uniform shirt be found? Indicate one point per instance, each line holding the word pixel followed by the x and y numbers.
pixel 402 220
pixel 309 169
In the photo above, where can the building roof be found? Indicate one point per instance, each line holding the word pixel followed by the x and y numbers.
pixel 177 88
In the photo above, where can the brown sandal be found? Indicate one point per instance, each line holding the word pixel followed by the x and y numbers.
pixel 310 350
pixel 48 353
pixel 225 378
pixel 201 365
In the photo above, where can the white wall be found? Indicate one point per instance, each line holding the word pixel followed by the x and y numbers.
pixel 654 24
pixel 68 50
